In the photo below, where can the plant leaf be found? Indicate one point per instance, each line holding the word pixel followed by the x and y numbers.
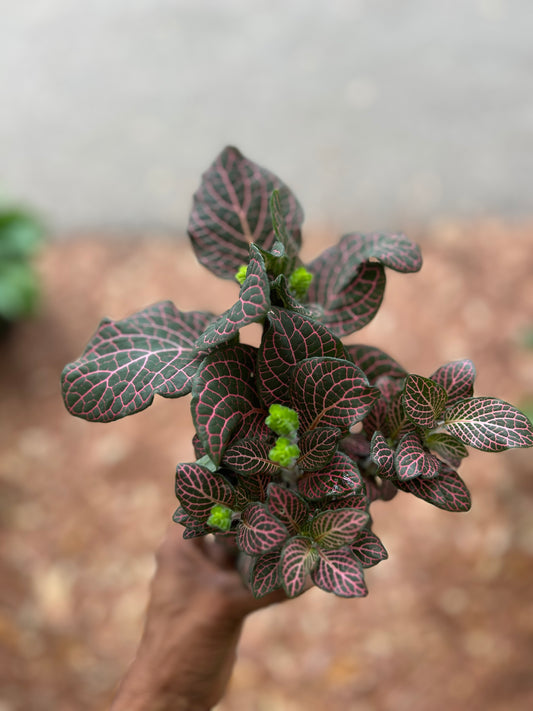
pixel 249 456
pixel 411 459
pixel 198 490
pixel 251 490
pixel 382 455
pixel 339 572
pixel 340 477
pixel 298 558
pixel 331 391
pixel 349 309
pixel 489 424
pixel 457 378
pixel 264 574
pixel 351 501
pixel 334 529
pixel 423 400
pixel 356 445
pixel 447 491
pixel 128 362
pixel 396 423
pixel 374 362
pixel 231 209
pixel 368 549
pixel 288 506
pixel 447 447
pixel 395 251
pixel 282 296
pixel 317 447
pixel 260 532
pixel 253 303
pixel 288 339
pixel 291 245
pixel 222 391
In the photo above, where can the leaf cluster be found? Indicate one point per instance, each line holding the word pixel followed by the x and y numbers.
pixel 280 469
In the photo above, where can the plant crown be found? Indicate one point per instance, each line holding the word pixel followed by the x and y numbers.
pixel 279 469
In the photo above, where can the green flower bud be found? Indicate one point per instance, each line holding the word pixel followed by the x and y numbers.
pixel 282 420
pixel 284 452
pixel 240 274
pixel 300 281
pixel 220 517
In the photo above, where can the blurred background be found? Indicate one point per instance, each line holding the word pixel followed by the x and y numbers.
pixel 380 115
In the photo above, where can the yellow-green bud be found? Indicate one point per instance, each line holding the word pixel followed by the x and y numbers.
pixel 220 517
pixel 240 274
pixel 284 452
pixel 282 420
pixel 300 281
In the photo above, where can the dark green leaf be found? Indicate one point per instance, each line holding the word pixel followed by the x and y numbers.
pixel 423 400
pixel 231 210
pixel 288 339
pixel 489 424
pixel 411 459
pixel 222 392
pixel 127 362
pixel 332 392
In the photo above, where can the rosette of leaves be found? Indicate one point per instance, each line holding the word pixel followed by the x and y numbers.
pixel 294 499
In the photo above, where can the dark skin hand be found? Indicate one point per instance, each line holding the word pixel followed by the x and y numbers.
pixel 195 615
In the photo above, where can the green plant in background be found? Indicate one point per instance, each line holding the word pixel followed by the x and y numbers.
pixel 295 438
pixel 21 234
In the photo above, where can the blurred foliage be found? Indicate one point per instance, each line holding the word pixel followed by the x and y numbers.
pixel 21 234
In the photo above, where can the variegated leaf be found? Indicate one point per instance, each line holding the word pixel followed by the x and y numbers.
pixel 382 455
pixel 264 574
pixel 288 506
pixel 351 501
pixel 412 460
pixel 231 209
pixel 223 391
pixel 249 456
pixel 253 304
pixel 260 531
pixel 368 549
pixel 339 478
pixel 447 447
pixel 298 558
pixel 290 245
pixel 339 572
pixel 282 296
pixel 251 490
pixel 334 529
pixel 447 491
pixel 423 400
pixel 395 251
pixel 128 362
pixel 288 339
pixel 198 490
pixel 457 378
pixel 331 391
pixel 317 447
pixel 374 362
pixel 352 307
pixel 489 424
pixel 396 423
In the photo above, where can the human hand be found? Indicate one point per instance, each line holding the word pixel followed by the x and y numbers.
pixel 197 606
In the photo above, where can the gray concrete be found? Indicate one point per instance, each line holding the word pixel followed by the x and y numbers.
pixel 374 112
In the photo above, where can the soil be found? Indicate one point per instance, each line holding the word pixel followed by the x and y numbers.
pixel 448 623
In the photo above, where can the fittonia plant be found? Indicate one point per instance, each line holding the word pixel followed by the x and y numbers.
pixel 279 469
